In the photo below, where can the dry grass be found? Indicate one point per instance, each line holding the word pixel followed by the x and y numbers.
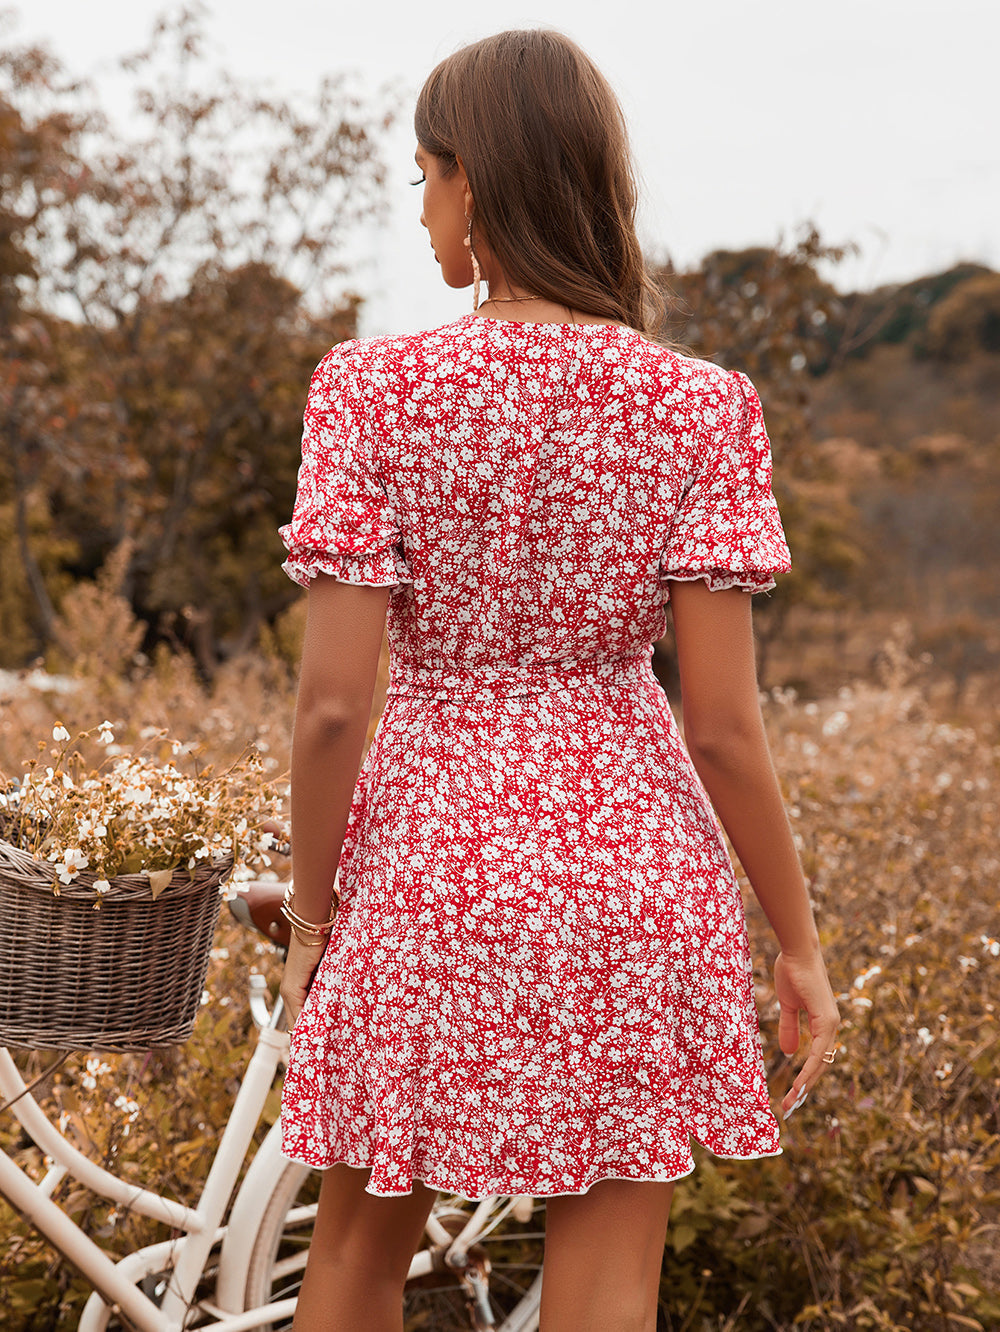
pixel 883 1213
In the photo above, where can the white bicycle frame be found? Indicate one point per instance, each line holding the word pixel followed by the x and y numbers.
pixel 115 1283
pixel 184 1260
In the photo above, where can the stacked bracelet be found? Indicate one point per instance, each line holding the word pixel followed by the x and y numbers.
pixel 318 941
pixel 297 922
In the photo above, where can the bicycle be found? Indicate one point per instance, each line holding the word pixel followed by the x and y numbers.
pixel 238 1267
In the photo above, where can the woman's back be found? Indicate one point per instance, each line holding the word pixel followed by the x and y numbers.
pixel 527 835
pixel 531 486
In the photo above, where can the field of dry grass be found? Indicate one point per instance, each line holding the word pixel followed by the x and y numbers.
pixel 883 1212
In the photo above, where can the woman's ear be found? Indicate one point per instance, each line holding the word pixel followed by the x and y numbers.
pixel 467 199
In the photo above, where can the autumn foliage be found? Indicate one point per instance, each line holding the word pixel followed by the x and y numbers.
pixel 164 299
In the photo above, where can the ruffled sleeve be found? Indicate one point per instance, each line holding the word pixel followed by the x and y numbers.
pixel 343 523
pixel 727 528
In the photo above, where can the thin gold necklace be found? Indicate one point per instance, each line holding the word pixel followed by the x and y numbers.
pixel 507 300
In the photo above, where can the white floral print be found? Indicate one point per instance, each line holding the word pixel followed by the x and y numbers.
pixel 539 974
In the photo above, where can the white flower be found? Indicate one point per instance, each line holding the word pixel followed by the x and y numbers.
pixel 137 795
pixel 59 732
pixel 94 1068
pixel 129 1107
pixel 72 863
pixel 101 886
pixel 862 980
pixel 105 734
pixel 835 723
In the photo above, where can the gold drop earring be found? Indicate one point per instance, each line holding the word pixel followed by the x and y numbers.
pixel 476 271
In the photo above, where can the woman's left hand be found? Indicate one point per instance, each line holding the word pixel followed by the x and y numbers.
pixel 300 967
pixel 802 986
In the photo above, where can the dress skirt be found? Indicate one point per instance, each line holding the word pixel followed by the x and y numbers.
pixel 539 974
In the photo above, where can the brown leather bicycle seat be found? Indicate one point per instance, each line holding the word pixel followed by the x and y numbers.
pixel 259 907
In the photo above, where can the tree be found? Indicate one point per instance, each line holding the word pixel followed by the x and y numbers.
pixel 170 293
pixel 965 322
pixel 899 312
pixel 768 313
pixel 38 164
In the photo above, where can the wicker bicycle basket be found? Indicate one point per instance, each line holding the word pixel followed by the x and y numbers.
pixel 127 976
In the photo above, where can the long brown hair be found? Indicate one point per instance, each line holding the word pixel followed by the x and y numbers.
pixel 545 147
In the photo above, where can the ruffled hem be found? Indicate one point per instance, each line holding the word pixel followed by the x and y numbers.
pixel 720 580
pixel 383 568
pixel 515 1188
pixel 408 1125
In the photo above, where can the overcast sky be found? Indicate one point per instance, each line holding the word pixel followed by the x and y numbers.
pixel 877 119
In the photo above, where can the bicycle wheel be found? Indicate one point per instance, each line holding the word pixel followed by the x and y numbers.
pixel 436 1302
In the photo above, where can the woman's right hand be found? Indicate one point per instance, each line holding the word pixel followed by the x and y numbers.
pixel 300 967
pixel 802 985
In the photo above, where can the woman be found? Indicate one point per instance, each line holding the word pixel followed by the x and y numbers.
pixel 537 980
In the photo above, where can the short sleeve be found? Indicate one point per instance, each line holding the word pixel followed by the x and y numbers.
pixel 727 528
pixel 342 523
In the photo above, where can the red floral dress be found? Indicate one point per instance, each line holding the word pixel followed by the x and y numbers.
pixel 539 975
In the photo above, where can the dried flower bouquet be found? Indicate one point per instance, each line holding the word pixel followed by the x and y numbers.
pixel 135 814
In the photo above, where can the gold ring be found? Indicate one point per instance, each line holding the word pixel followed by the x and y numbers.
pixel 830 1056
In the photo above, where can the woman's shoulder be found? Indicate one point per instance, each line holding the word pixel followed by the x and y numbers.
pixel 682 369
pixel 371 362
pixel 683 390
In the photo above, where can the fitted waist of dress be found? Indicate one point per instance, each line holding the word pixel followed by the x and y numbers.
pixel 452 680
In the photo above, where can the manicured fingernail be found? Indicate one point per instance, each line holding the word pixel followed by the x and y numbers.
pixel 795 1105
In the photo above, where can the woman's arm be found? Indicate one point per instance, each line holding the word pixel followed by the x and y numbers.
pixel 724 733
pixel 343 637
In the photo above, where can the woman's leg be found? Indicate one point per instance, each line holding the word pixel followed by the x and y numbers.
pixel 603 1256
pixel 360 1254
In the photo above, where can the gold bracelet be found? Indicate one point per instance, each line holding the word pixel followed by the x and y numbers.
pixel 319 941
pixel 293 918
pixel 297 923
